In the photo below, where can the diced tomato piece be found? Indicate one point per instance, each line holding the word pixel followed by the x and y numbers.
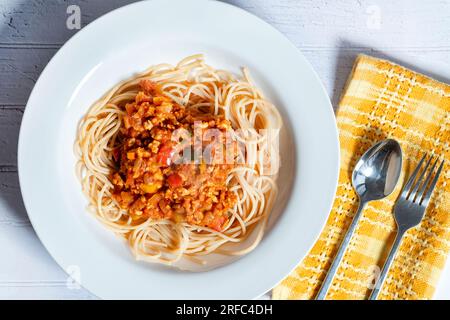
pixel 164 155
pixel 175 180
pixel 217 223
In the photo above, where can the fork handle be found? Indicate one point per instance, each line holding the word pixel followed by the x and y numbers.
pixel 387 265
pixel 340 254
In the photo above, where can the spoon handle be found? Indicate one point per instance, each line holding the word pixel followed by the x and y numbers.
pixel 340 254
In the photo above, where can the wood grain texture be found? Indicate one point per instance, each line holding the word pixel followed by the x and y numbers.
pixel 42 23
pixel 329 33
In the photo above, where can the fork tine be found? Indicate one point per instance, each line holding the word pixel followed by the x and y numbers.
pixel 411 179
pixel 420 193
pixel 418 183
pixel 427 197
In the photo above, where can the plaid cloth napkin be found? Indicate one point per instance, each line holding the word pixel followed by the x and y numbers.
pixel 383 100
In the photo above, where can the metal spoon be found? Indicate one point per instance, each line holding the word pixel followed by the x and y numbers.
pixel 374 177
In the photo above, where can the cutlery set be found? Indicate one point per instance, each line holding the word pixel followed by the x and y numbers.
pixel 375 177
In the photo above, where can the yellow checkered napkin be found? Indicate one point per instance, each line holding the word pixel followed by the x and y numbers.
pixel 383 100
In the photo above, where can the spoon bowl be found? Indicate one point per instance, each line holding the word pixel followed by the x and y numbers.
pixel 376 173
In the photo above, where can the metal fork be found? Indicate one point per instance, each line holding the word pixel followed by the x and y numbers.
pixel 410 208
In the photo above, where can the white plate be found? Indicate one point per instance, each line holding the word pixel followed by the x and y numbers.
pixel 127 41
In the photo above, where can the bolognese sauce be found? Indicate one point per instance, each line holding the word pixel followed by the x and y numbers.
pixel 149 182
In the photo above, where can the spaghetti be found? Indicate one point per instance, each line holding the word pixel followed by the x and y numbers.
pixel 109 146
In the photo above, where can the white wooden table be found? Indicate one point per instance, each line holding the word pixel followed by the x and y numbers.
pixel 329 33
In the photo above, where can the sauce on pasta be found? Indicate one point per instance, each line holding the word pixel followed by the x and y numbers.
pixel 149 182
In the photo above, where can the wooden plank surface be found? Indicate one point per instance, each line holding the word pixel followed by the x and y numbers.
pixel 329 33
